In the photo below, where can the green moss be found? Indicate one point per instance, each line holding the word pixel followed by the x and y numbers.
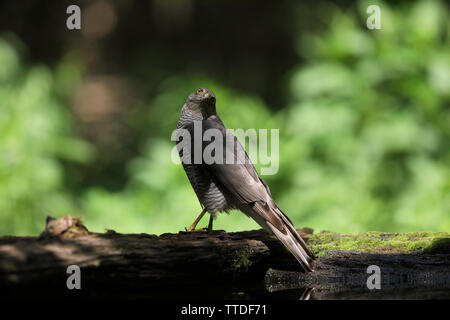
pixel 242 261
pixel 378 242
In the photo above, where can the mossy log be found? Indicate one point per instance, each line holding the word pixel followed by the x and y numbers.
pixel 159 266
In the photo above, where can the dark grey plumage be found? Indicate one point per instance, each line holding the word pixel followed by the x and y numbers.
pixel 222 186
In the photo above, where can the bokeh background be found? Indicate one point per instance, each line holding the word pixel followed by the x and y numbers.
pixel 86 115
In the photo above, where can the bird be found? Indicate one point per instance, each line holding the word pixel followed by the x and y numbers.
pixel 222 186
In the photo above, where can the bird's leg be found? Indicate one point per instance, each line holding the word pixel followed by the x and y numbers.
pixel 193 225
pixel 210 224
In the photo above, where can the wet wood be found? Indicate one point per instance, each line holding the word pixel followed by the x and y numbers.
pixel 198 264
pixel 138 260
pixel 345 275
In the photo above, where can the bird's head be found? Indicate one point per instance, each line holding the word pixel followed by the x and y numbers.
pixel 202 101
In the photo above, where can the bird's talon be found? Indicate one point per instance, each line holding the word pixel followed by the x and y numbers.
pixel 196 230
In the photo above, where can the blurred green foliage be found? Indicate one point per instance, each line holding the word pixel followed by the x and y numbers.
pixel 35 137
pixel 371 110
pixel 364 142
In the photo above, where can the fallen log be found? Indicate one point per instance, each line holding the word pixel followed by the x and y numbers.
pixel 212 264
pixel 133 261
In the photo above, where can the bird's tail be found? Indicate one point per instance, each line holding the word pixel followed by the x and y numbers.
pixel 274 220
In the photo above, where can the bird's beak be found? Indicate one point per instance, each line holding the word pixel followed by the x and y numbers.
pixel 206 97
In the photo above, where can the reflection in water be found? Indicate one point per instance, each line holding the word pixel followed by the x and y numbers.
pixel 307 294
pixel 288 285
pixel 292 284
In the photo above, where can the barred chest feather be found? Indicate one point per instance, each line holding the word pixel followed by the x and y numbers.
pixel 208 193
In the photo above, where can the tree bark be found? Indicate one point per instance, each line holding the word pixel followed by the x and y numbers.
pixel 212 264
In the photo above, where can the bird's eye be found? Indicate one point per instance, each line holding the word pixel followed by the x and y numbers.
pixel 199 91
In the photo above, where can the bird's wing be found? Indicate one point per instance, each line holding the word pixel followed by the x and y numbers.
pixel 239 177
pixel 241 180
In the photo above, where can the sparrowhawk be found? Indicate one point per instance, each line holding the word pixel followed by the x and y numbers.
pixel 223 185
